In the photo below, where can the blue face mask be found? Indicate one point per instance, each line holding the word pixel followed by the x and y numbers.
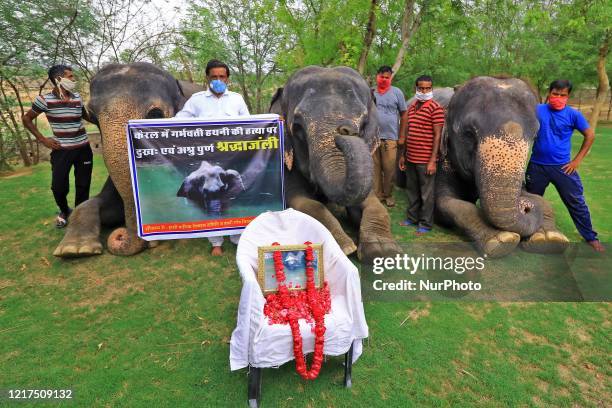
pixel 218 86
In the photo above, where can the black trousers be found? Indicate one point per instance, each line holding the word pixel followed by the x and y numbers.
pixel 420 193
pixel 61 162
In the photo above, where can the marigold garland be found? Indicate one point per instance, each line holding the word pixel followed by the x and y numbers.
pixel 287 307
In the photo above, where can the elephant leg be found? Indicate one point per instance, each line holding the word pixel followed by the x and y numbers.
pixel 123 241
pixel 548 239
pixel 465 215
pixel 319 211
pixel 82 236
pixel 375 238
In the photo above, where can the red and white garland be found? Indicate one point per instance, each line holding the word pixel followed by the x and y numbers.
pixel 287 307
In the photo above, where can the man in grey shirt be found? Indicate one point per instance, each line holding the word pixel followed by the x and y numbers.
pixel 391 107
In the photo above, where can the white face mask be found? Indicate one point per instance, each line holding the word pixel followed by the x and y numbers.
pixel 67 84
pixel 423 96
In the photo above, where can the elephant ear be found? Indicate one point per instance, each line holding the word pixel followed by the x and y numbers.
pixel 444 143
pixel 185 90
pixel 276 107
pixel 234 181
pixel 371 130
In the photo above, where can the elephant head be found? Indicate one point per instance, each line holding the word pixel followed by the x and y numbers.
pixel 331 130
pixel 211 182
pixel 119 93
pixel 490 126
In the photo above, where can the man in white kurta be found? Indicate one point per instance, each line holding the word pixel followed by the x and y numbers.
pixel 216 101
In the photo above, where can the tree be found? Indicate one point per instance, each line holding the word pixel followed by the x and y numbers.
pixel 369 36
pixel 251 36
pixel 603 86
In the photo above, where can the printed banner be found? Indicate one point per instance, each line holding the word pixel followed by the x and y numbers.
pixel 204 177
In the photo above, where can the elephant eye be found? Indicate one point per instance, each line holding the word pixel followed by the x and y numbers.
pixel 154 113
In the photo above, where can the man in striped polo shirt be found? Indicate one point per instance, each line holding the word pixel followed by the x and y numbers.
pixel 70 146
pixel 419 154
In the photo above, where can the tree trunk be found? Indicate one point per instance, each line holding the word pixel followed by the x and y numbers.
pixel 602 89
pixel 410 23
pixel 369 37
pixel 186 66
pixel 4 164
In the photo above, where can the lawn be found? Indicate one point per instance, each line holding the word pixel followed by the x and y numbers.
pixel 153 329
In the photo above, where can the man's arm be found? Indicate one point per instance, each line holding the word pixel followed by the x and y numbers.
pixel 432 165
pixel 401 142
pixel 403 125
pixel 85 115
pixel 27 121
pixel 589 138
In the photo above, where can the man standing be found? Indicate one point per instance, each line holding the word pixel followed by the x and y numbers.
pixel 216 101
pixel 551 157
pixel 70 146
pixel 391 107
pixel 419 155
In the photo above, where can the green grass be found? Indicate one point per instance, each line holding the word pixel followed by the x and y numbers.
pixel 153 329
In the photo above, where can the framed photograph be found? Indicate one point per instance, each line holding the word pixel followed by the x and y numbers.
pixel 294 261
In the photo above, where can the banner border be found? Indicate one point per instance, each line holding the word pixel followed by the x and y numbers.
pixel 134 123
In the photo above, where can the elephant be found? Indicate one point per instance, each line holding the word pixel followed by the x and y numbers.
pixel 118 93
pixel 490 125
pixel 212 187
pixel 294 260
pixel 331 131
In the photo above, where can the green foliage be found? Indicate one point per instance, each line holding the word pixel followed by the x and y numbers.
pixel 456 40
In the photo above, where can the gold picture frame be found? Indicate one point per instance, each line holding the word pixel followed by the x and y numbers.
pixel 295 267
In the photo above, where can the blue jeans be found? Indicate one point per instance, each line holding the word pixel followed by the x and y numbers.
pixel 569 187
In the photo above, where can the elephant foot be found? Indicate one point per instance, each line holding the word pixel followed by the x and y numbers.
pixel 546 242
pixel 122 242
pixel 347 245
pixel 501 244
pixel 377 247
pixel 74 247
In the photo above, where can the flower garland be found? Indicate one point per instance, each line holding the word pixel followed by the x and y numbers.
pixel 287 307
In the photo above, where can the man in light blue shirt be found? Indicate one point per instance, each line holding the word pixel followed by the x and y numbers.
pixel 217 101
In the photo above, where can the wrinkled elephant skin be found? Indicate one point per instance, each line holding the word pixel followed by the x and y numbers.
pixel 119 93
pixel 489 128
pixel 331 131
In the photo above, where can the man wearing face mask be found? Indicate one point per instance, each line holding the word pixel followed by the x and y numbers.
pixel 391 108
pixel 419 155
pixel 551 157
pixel 70 146
pixel 216 101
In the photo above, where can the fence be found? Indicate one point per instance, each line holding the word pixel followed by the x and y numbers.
pixel 583 100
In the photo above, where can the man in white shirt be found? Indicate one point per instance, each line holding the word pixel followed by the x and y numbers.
pixel 216 101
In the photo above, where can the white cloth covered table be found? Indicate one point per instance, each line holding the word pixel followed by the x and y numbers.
pixel 257 343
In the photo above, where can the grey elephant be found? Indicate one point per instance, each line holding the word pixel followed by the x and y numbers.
pixel 212 187
pixel 119 93
pixel 489 128
pixel 331 131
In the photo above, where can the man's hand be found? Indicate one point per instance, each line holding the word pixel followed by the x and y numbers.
pixel 571 167
pixel 431 167
pixel 50 143
pixel 402 163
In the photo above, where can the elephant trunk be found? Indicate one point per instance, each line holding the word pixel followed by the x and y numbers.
pixel 503 157
pixel 112 127
pixel 344 171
